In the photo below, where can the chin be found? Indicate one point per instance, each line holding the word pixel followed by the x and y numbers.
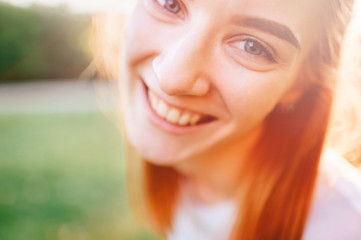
pixel 150 146
pixel 153 151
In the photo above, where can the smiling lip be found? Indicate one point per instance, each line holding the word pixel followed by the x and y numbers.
pixel 172 118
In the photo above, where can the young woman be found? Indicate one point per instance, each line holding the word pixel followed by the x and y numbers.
pixel 227 103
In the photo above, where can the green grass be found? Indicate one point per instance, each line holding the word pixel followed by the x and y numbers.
pixel 62 177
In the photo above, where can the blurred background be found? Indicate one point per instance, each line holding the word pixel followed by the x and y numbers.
pixel 61 156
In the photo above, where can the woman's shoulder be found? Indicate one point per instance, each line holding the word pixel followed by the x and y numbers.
pixel 336 209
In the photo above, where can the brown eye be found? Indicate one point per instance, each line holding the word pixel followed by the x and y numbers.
pixel 253 47
pixel 172 6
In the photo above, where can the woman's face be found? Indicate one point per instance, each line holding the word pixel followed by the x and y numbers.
pixel 201 75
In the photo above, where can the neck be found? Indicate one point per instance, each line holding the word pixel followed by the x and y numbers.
pixel 216 178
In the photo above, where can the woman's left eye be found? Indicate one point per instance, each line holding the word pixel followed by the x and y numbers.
pixel 172 6
pixel 254 48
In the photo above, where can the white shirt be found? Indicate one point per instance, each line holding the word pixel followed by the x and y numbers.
pixel 335 212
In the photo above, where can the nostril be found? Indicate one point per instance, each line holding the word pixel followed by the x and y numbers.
pixel 201 86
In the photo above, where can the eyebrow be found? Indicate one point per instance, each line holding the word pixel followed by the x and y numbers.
pixel 268 26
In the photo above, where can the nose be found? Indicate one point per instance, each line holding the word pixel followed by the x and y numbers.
pixel 181 66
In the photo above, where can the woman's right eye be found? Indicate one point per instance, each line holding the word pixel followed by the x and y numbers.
pixel 172 6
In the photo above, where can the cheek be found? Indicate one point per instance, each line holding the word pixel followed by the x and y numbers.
pixel 140 38
pixel 254 95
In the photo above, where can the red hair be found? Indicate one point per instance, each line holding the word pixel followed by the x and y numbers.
pixel 278 182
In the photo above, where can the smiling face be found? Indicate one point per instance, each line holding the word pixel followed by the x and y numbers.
pixel 201 76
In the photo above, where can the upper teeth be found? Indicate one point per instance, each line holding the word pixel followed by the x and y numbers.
pixel 170 113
